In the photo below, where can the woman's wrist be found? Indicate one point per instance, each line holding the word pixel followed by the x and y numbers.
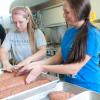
pixel 30 59
pixel 44 68
pixel 5 63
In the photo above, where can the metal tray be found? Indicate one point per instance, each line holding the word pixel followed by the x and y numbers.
pixel 32 93
pixel 64 86
pixel 87 95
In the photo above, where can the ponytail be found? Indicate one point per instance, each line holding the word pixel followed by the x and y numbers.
pixel 82 10
pixel 77 53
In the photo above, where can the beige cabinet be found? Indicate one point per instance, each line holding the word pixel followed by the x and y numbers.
pixel 53 16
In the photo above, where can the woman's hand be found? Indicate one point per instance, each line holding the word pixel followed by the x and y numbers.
pixel 8 68
pixel 23 63
pixel 27 66
pixel 23 69
pixel 33 69
pixel 34 73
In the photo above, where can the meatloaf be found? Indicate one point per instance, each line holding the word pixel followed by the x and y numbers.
pixel 6 76
pixel 60 95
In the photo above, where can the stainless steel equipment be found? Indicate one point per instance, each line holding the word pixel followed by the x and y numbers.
pixel 87 95
pixel 67 87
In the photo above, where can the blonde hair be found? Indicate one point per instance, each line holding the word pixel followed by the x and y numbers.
pixel 31 26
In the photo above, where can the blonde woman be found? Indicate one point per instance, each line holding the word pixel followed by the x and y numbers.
pixel 27 43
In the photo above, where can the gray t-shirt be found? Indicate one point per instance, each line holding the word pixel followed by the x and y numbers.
pixel 20 45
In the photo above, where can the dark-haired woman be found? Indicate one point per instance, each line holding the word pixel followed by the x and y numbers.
pixel 79 50
pixel 2 34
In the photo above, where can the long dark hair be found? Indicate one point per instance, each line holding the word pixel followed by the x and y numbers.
pixel 82 10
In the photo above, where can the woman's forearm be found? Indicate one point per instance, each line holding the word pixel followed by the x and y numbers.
pixel 56 59
pixel 40 54
pixel 66 68
pixel 4 57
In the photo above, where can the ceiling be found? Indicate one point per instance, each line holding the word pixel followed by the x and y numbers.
pixel 30 3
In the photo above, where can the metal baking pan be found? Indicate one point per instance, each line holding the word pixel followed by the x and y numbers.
pixel 32 93
pixel 64 86
pixel 41 92
pixel 87 95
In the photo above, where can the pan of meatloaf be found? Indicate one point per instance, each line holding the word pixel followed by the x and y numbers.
pixel 63 91
pixel 14 88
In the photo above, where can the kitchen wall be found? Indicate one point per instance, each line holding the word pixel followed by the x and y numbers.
pixel 95 7
pixel 54 37
pixel 55 34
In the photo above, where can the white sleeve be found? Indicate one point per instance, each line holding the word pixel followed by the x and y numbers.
pixel 7 41
pixel 40 38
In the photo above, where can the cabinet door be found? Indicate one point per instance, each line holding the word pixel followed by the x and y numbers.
pixel 53 16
